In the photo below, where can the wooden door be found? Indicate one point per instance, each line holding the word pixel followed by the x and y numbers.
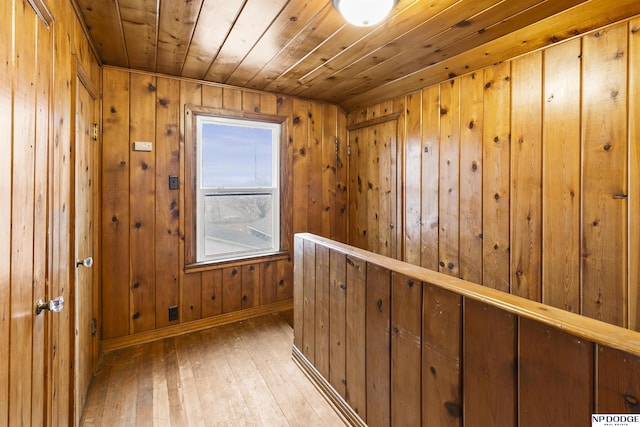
pixel 84 330
pixel 372 187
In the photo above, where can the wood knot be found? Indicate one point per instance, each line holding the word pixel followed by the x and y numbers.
pixel 136 285
pixel 151 88
pixel 471 124
pixel 138 224
pixel 114 219
pixel 136 315
pixel 454 409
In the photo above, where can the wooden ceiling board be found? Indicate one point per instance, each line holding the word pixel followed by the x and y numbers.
pixel 581 19
pixel 317 32
pixel 477 30
pixel 214 24
pixel 254 20
pixel 392 37
pixel 103 17
pixel 292 20
pixel 139 24
pixel 305 48
pixel 176 25
pixel 334 45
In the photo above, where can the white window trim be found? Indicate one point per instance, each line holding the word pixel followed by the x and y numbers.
pixel 201 192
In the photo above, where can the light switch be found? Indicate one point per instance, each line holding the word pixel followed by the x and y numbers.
pixel 142 146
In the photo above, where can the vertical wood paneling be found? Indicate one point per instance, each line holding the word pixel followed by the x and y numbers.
pixel 190 305
pixel 604 204
pixel 322 301
pixel 6 76
pixel 284 279
pixel 617 382
pixel 412 178
pixel 285 108
pixel 269 283
pixel 371 186
pixel 337 317
pixel 61 241
pixel 357 194
pixel 441 357
pixel 495 177
pixel 251 285
pixel 555 377
pixel 250 102
pixel 314 154
pixel 329 153
pixel 378 352
pixel 489 360
pixel 449 200
pixel 355 336
pixel 387 189
pixel 41 249
pixel 561 177
pixel 300 164
pixel 298 294
pixel 526 177
pixel 232 99
pixel 308 305
pixel 471 133
pixel 22 210
pixel 231 289
pixel 142 206
pixel 167 227
pixel 634 175
pixel 430 152
pixel 406 357
pixel 115 205
pixel 341 217
pixel 211 293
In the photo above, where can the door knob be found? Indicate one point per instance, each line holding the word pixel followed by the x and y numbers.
pixel 87 262
pixel 56 305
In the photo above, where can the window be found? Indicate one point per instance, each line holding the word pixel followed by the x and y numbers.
pixel 237 197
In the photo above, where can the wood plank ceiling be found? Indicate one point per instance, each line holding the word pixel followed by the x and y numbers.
pixel 305 48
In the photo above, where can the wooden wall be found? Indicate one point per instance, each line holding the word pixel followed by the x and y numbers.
pixel 405 346
pixel 142 229
pixel 524 176
pixel 38 66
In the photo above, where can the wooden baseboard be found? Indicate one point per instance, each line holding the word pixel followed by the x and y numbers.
pixel 197 325
pixel 345 411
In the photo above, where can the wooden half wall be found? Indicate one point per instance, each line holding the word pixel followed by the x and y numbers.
pixel 391 343
pixel 524 176
pixel 142 229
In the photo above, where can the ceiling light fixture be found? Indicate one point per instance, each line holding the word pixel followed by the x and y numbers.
pixel 364 13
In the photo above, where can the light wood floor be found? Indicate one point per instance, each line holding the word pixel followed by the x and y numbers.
pixel 232 375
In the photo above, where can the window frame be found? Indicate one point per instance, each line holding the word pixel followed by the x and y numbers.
pixel 192 113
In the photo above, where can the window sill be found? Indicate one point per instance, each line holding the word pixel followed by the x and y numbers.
pixel 235 262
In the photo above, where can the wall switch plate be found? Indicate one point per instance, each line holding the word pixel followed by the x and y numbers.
pixel 173 313
pixel 173 182
pixel 142 146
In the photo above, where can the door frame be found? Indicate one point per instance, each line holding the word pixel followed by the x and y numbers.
pixel 83 78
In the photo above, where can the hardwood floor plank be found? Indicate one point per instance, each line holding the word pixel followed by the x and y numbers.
pixel 233 375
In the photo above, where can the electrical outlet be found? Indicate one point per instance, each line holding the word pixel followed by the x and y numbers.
pixel 173 182
pixel 173 313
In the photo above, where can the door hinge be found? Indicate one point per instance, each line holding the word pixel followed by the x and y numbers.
pixel 94 327
pixel 94 132
pixel 348 150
